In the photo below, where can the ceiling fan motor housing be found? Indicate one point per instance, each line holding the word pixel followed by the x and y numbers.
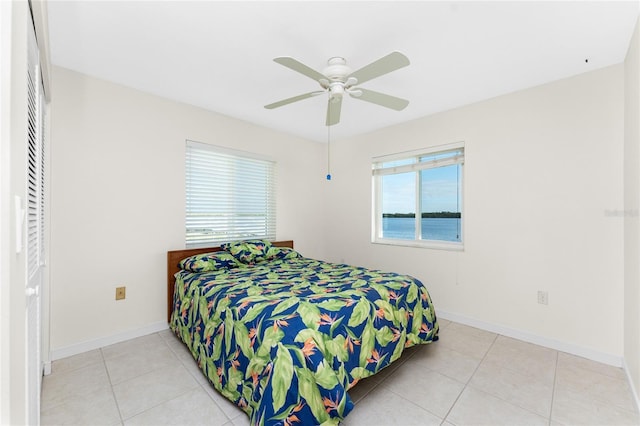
pixel 337 69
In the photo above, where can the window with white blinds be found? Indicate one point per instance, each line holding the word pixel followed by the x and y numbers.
pixel 230 196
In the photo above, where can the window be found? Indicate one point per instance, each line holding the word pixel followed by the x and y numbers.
pixel 418 198
pixel 230 196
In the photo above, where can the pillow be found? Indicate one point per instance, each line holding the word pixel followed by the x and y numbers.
pixel 207 262
pixel 251 251
pixel 281 253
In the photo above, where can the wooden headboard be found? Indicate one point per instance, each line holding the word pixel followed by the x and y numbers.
pixel 175 256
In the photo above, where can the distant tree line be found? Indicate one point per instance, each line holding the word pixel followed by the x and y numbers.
pixel 448 215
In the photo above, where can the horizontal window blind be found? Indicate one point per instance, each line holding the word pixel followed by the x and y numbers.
pixel 230 196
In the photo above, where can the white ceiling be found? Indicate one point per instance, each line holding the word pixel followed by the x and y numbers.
pixel 219 55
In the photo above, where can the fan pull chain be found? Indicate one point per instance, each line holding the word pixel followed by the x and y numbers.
pixel 328 153
pixel 329 142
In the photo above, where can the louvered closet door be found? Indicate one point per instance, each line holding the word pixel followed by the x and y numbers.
pixel 35 229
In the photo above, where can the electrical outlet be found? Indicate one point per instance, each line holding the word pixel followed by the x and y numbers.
pixel 543 297
pixel 121 293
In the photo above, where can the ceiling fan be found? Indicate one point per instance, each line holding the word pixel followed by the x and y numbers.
pixel 337 79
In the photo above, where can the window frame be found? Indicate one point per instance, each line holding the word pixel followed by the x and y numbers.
pixel 378 172
pixel 270 208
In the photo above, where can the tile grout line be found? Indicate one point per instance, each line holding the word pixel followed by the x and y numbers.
pixel 201 385
pixel 553 390
pixel 469 380
pixel 380 382
pixel 608 377
pixel 158 404
pixel 507 368
pixel 104 363
pixel 495 396
pixel 408 401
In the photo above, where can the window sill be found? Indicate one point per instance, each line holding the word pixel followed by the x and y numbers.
pixel 431 244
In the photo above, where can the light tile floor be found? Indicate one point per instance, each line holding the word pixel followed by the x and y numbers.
pixel 468 377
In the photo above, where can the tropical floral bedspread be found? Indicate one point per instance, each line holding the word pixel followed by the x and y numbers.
pixel 286 338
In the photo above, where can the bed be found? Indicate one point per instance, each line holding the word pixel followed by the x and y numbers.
pixel 285 337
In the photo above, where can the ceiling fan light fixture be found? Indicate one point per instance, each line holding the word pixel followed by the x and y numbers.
pixel 336 89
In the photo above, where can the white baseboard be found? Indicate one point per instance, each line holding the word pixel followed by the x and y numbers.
pixel 605 358
pixel 634 390
pixel 107 340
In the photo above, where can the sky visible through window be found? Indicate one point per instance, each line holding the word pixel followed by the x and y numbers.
pixel 440 191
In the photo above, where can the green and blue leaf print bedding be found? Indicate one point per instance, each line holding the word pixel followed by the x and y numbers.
pixel 286 338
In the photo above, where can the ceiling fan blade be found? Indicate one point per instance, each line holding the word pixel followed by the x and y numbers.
pixel 381 99
pixel 384 65
pixel 293 99
pixel 333 110
pixel 298 66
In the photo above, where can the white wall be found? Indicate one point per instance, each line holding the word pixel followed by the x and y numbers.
pixel 631 209
pixel 117 201
pixel 543 197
